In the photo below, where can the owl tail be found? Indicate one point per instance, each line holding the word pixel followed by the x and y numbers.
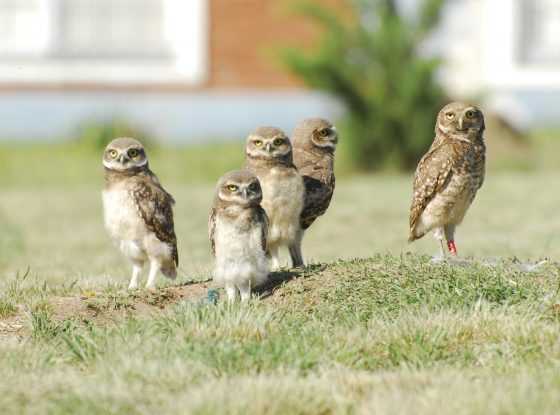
pixel 169 270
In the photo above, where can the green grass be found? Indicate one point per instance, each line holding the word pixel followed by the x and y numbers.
pixel 390 333
pixel 386 334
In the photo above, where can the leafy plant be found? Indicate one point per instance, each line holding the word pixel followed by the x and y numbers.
pixel 369 57
pixel 97 134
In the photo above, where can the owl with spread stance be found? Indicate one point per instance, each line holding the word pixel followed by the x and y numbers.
pixel 449 175
pixel 238 229
pixel 138 211
pixel 268 153
pixel 314 142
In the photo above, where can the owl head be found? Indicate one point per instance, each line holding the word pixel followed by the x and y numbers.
pixel 315 133
pixel 462 119
pixel 240 187
pixel 269 143
pixel 125 154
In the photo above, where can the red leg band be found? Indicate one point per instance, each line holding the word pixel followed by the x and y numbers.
pixel 452 248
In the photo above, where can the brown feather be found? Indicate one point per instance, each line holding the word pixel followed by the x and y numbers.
pixel 155 206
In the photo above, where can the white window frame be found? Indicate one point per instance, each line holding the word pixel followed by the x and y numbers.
pixel 502 68
pixel 186 28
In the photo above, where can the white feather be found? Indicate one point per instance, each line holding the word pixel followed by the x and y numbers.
pixel 240 257
pixel 127 228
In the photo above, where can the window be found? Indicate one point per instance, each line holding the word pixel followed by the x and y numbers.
pixel 109 29
pixel 522 43
pixel 103 40
pixel 23 28
pixel 539 32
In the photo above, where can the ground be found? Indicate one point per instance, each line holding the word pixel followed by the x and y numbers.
pixel 388 333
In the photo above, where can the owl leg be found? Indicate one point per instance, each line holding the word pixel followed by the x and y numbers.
pixel 245 290
pixel 450 237
pixel 295 251
pixel 231 291
pixel 154 269
pixel 439 235
pixel 136 270
pixel 274 257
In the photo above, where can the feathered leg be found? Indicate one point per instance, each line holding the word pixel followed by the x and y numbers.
pixel 231 291
pixel 136 270
pixel 295 251
pixel 439 235
pixel 245 290
pixel 273 254
pixel 154 269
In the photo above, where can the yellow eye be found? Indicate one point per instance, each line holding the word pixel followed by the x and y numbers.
pixel 232 187
pixel 324 132
pixel 469 114
pixel 133 153
pixel 113 154
pixel 450 115
pixel 278 141
pixel 258 143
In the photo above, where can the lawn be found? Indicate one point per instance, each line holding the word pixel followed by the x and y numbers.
pixel 388 333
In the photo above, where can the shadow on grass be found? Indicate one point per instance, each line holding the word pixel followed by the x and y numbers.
pixel 278 278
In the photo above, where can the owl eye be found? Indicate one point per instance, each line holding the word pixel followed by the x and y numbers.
pixel 132 153
pixel 278 141
pixel 450 115
pixel 469 114
pixel 258 143
pixel 324 132
pixel 232 187
pixel 113 154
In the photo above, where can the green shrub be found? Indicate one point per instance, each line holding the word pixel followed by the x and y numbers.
pixel 97 134
pixel 368 57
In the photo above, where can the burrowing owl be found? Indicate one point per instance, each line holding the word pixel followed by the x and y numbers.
pixel 449 175
pixel 138 211
pixel 269 156
pixel 238 228
pixel 314 141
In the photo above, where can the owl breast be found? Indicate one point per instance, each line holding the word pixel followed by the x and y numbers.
pixel 122 219
pixel 283 194
pixel 239 251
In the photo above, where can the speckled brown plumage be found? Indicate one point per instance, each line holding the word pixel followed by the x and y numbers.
pixel 152 201
pixel 138 211
pixel 449 175
pixel 314 142
pixel 269 156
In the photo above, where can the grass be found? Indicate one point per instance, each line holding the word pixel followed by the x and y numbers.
pixel 371 327
pixel 387 334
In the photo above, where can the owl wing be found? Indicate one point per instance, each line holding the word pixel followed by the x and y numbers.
pixel 212 230
pixel 262 218
pixel 318 196
pixel 432 175
pixel 155 206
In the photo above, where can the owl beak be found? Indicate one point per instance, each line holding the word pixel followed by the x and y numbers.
pixel 268 147
pixel 122 158
pixel 460 124
pixel 245 193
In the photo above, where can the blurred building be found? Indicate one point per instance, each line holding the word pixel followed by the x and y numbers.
pixel 196 69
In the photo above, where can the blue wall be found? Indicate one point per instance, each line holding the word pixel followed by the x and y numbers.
pixel 185 117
